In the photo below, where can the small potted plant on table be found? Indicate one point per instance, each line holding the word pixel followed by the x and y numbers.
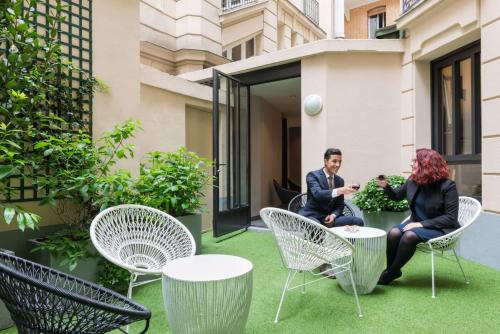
pixel 378 210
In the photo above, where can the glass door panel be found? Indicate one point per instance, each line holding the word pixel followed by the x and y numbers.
pixel 231 153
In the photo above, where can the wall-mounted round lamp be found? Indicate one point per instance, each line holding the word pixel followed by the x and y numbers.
pixel 313 104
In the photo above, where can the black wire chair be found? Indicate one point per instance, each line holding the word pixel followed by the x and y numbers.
pixel 44 300
pixel 294 186
pixel 285 195
pixel 300 201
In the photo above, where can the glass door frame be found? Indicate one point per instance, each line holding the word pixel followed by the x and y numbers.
pixel 234 218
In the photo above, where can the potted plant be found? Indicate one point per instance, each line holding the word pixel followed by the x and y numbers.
pixel 378 210
pixel 173 182
pixel 80 184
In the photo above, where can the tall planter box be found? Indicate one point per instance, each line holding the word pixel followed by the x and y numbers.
pixel 5 319
pixel 86 268
pixel 384 220
pixel 193 224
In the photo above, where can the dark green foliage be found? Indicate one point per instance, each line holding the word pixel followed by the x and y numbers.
pixel 371 198
pixel 173 181
pixel 36 99
pixel 68 245
pixel 81 182
pixel 112 276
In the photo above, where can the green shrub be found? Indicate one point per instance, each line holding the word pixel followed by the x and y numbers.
pixel 35 83
pixel 173 181
pixel 111 276
pixel 371 198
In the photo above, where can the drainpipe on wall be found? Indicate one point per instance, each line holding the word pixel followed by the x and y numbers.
pixel 338 19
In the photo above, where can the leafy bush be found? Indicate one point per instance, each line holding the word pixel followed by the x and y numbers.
pixel 173 181
pixel 69 246
pixel 81 174
pixel 112 276
pixel 372 198
pixel 35 81
pixel 81 183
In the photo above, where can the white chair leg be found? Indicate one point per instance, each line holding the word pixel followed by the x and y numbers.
pixel 304 282
pixel 133 278
pixel 355 294
pixel 432 268
pixel 460 265
pixel 285 288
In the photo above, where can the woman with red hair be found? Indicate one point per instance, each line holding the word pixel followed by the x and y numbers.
pixel 433 201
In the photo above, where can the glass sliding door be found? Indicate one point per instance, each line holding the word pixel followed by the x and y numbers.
pixel 231 126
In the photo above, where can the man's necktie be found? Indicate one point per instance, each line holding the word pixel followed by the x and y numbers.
pixel 330 182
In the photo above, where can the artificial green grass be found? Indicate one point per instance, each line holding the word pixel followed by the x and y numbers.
pixel 405 306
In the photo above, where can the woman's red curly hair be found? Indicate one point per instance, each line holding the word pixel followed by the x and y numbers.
pixel 431 167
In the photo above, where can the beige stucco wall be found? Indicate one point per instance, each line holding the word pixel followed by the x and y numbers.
pixel 199 140
pixel 436 28
pixel 490 106
pixel 276 24
pixel 360 115
pixel 356 23
pixel 116 62
pixel 178 36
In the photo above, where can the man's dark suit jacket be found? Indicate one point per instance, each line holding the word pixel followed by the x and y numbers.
pixel 441 202
pixel 319 197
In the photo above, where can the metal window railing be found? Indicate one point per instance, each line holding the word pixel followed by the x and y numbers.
pixel 406 5
pixel 311 10
pixel 233 4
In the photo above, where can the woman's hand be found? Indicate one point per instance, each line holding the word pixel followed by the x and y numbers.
pixel 411 226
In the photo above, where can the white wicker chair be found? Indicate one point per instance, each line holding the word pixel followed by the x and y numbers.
pixel 140 239
pixel 468 211
pixel 305 245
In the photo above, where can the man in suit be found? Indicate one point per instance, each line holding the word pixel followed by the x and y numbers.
pixel 325 193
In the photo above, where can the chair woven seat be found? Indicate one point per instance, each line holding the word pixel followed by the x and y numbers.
pixel 468 211
pixel 305 245
pixel 44 300
pixel 140 239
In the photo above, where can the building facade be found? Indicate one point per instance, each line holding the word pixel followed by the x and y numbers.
pixel 437 87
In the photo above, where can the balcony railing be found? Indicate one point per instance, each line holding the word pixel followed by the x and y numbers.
pixel 406 5
pixel 232 4
pixel 311 10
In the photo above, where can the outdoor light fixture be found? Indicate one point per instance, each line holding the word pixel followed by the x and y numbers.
pixel 313 104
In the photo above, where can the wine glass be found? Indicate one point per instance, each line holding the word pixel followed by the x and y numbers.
pixel 355 185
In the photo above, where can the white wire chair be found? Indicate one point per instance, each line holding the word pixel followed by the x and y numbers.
pixel 468 211
pixel 140 239
pixel 304 245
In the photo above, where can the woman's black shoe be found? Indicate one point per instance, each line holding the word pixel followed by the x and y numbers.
pixel 387 277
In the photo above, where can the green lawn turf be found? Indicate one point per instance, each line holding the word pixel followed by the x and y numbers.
pixel 405 306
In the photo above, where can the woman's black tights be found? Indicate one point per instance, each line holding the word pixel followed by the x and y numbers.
pixel 400 248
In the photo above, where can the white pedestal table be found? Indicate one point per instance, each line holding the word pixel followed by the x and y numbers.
pixel 368 258
pixel 207 294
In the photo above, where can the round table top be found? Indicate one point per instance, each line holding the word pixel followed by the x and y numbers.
pixel 205 268
pixel 363 232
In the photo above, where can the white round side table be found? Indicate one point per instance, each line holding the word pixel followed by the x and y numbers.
pixel 368 258
pixel 207 294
